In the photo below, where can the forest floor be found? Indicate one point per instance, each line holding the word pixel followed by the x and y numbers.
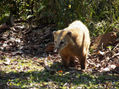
pixel 25 64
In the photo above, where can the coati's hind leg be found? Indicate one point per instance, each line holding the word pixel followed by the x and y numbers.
pixel 82 60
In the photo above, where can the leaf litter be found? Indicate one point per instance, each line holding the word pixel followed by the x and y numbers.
pixel 30 53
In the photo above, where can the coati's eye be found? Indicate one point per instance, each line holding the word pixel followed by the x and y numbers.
pixel 62 42
pixel 54 41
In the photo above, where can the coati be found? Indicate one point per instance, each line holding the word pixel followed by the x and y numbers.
pixel 73 42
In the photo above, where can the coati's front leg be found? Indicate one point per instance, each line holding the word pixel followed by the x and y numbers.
pixel 72 62
pixel 68 61
pixel 65 60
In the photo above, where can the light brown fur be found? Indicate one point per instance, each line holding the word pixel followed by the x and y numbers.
pixel 73 41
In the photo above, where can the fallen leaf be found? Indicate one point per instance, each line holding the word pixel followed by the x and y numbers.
pixel 112 66
pixel 60 71
pixel 7 62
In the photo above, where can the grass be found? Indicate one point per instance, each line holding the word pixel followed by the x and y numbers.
pixel 33 74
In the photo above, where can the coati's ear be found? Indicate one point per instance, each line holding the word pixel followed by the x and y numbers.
pixel 69 34
pixel 54 32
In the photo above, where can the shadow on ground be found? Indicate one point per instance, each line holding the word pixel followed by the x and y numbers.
pixel 59 76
